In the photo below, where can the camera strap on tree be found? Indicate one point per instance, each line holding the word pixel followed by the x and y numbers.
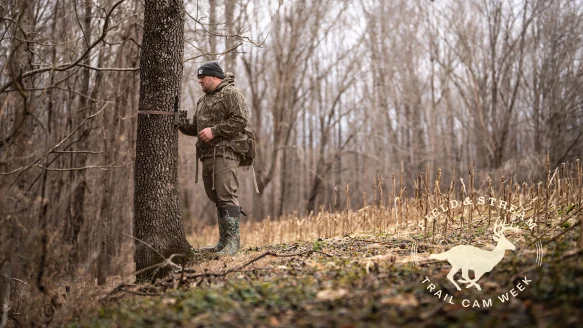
pixel 155 112
pixel 161 112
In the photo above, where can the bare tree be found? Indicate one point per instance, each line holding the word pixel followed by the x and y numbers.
pixel 158 224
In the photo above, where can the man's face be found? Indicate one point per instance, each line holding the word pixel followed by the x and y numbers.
pixel 207 83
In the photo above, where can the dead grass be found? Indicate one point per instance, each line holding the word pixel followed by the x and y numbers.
pixel 542 204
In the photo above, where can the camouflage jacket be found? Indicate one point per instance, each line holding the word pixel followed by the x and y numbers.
pixel 224 111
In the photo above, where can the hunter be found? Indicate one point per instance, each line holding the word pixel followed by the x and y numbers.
pixel 219 122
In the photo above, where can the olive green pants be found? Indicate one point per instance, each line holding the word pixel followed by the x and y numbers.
pixel 226 181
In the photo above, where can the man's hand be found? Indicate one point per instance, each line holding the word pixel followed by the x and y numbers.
pixel 206 135
pixel 183 117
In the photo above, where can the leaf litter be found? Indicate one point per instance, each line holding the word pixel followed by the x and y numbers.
pixel 370 280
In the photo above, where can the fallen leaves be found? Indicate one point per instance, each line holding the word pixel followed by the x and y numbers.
pixel 401 300
pixel 168 301
pixel 378 259
pixel 362 284
pixel 314 264
pixel 331 294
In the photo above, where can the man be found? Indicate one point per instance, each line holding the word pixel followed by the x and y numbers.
pixel 221 116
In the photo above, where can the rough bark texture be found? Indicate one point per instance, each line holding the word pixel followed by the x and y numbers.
pixel 158 216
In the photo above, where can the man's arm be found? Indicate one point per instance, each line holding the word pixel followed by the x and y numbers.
pixel 185 126
pixel 238 113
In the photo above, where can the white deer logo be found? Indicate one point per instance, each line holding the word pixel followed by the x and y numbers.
pixel 467 257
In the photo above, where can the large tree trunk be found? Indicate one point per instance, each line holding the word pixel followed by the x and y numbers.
pixel 158 217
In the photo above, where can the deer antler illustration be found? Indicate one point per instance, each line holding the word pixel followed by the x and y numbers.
pixel 467 257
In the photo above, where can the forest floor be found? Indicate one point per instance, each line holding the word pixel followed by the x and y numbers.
pixel 358 281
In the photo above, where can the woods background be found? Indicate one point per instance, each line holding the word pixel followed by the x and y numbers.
pixel 340 92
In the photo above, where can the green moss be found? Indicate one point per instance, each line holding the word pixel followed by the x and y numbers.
pixel 317 245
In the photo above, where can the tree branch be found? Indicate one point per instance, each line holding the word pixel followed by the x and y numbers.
pixel 24 168
pixel 68 66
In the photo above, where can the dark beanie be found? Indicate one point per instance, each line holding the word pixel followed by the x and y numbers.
pixel 211 69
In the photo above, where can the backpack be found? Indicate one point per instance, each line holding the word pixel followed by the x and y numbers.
pixel 244 145
pixel 248 158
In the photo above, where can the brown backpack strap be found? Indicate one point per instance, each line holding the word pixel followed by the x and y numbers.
pixel 196 176
pixel 254 179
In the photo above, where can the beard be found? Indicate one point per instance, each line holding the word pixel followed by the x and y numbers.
pixel 206 89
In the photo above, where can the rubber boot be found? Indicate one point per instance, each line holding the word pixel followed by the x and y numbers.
pixel 222 236
pixel 230 215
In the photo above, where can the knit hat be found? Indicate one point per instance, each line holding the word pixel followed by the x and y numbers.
pixel 211 69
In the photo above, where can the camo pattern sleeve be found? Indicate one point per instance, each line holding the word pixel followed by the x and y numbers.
pixel 188 128
pixel 237 114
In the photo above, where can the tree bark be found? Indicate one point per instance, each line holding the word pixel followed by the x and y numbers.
pixel 230 42
pixel 158 216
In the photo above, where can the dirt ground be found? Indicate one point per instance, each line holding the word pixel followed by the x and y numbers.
pixel 357 281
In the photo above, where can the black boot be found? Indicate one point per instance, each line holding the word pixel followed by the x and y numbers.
pixel 230 215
